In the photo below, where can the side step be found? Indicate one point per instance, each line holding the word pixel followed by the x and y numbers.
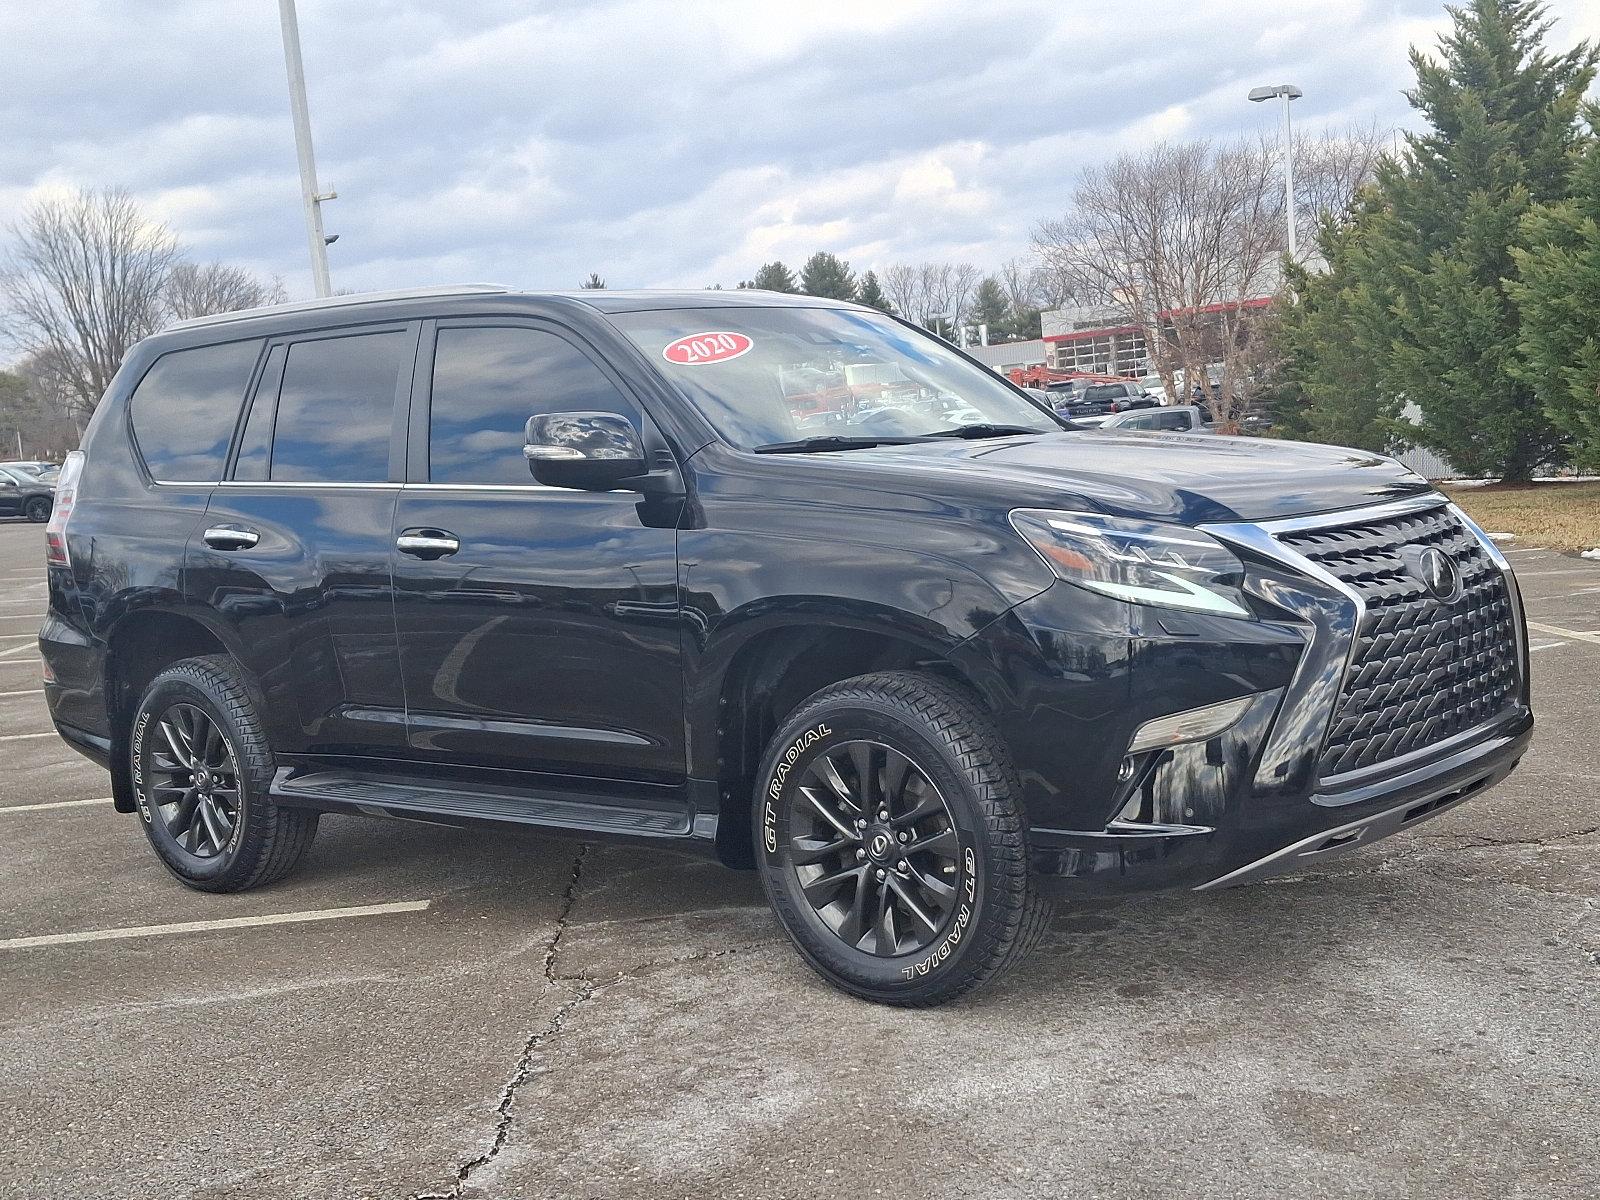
pixel 419 799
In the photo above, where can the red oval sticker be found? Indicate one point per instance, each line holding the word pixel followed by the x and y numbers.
pixel 700 348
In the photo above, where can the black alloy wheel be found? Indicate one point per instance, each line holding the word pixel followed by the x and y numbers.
pixel 202 772
pixel 874 848
pixel 37 510
pixel 891 839
pixel 193 779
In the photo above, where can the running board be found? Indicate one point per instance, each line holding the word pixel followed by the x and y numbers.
pixel 428 800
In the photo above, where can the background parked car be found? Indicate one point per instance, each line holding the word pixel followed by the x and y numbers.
pixel 37 468
pixel 25 495
pixel 1083 398
pixel 1178 418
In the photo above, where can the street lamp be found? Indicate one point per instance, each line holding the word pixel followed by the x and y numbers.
pixel 1289 92
pixel 309 195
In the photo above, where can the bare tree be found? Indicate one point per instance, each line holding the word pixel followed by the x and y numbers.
pixel 200 289
pixel 83 283
pixel 1178 237
pixel 931 293
pixel 1330 170
pixel 902 283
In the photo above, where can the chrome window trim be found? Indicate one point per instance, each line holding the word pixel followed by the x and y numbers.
pixel 482 487
pixel 303 483
pixel 1261 537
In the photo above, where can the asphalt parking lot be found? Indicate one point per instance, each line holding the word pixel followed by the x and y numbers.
pixel 501 1015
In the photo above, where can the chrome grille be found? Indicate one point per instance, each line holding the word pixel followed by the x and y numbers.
pixel 1423 669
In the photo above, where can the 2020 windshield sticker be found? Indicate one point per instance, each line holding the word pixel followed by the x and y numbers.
pixel 700 349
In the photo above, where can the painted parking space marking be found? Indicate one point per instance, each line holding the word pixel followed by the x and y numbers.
pixel 22 737
pixel 22 808
pixel 24 692
pixel 143 931
pixel 1557 631
pixel 15 650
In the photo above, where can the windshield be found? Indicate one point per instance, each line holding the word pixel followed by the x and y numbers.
pixel 766 376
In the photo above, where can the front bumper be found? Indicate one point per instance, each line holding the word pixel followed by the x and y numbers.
pixel 1078 680
pixel 1283 836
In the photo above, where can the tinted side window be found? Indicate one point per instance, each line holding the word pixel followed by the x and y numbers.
pixel 1102 391
pixel 488 381
pixel 335 409
pixel 1177 420
pixel 185 407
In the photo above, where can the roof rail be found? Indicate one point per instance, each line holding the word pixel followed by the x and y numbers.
pixel 422 293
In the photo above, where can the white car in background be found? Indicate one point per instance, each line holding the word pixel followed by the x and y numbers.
pixel 1176 418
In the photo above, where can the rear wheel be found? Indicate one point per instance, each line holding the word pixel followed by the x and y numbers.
pixel 891 842
pixel 201 767
pixel 37 510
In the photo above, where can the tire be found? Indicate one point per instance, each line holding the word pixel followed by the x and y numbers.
pixel 37 510
pixel 213 827
pixel 971 836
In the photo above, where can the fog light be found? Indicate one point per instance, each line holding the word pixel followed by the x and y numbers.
pixel 1196 725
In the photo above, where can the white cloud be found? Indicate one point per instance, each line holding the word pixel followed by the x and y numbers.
pixel 658 143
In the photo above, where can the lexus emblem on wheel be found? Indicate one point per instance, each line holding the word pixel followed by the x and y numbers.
pixel 880 845
pixel 1439 575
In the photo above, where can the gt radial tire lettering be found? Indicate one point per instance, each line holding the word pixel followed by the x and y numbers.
pixel 138 767
pixel 940 953
pixel 769 811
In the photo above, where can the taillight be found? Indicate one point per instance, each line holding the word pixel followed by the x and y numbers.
pixel 55 533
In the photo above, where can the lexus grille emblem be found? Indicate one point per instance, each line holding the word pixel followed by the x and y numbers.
pixel 1440 576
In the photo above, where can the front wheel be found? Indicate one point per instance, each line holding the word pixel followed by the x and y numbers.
pixel 37 510
pixel 891 842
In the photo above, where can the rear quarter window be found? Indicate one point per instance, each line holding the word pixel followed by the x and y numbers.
pixel 184 409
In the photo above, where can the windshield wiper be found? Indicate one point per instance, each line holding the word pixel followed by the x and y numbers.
pixel 832 441
pixel 985 430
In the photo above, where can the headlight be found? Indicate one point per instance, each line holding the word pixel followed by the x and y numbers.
pixel 1145 562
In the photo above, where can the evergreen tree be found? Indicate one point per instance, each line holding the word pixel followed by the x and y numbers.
pixel 1330 333
pixel 1558 293
pixel 594 282
pixel 827 275
pixel 1502 112
pixel 990 307
pixel 773 277
pixel 872 293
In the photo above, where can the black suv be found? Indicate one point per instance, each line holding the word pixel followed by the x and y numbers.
pixel 771 578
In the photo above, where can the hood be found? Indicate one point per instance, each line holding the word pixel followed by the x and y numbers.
pixel 1187 478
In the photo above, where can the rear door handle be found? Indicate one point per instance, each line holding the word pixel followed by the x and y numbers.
pixel 427 543
pixel 230 537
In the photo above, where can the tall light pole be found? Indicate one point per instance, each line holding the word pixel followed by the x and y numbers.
pixel 1288 92
pixel 312 198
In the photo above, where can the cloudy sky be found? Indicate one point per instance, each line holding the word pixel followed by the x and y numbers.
pixel 658 142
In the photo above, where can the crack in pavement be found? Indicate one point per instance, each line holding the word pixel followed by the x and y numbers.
pixel 1476 841
pixel 587 989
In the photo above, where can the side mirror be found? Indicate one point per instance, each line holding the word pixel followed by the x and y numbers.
pixel 589 451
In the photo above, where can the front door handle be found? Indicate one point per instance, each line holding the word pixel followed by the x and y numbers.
pixel 230 537
pixel 427 543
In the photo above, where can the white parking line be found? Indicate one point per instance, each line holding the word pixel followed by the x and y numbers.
pixel 17 637
pixel 139 931
pixel 16 808
pixel 22 737
pixel 1544 646
pixel 1565 633
pixel 25 692
pixel 1583 571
